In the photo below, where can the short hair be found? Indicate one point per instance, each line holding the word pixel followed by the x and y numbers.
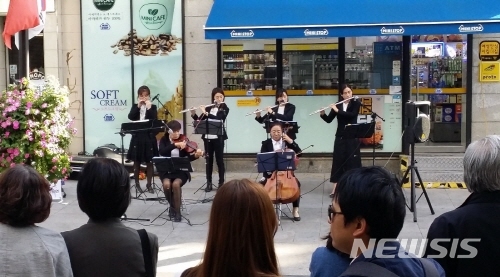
pixel 276 123
pixel 143 88
pixel 103 189
pixel 280 91
pixel 241 232
pixel 24 196
pixel 374 194
pixel 217 90
pixel 174 125
pixel 482 165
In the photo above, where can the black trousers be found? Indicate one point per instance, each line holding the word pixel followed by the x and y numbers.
pixel 346 156
pixel 215 147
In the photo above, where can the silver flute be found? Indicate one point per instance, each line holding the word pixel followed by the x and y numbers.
pixel 259 111
pixel 194 108
pixel 322 109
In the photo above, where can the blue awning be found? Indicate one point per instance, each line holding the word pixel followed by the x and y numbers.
pixel 261 19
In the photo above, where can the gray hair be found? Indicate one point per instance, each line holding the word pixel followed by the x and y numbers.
pixel 482 165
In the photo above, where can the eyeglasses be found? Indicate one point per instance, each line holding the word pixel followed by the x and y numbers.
pixel 332 213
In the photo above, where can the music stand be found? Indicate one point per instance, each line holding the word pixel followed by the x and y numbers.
pixel 140 126
pixel 170 165
pixel 208 127
pixel 360 130
pixel 276 161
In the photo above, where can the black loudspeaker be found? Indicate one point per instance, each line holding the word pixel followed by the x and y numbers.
pixel 417 121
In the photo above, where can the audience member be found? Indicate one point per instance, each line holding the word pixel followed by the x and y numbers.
pixel 104 246
pixel 477 218
pixel 26 249
pixel 240 234
pixel 368 212
pixel 326 261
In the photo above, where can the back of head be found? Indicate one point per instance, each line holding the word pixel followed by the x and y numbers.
pixel 241 231
pixel 482 165
pixel 374 194
pixel 103 189
pixel 24 196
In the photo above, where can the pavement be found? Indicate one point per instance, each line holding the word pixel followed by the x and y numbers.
pixel 182 244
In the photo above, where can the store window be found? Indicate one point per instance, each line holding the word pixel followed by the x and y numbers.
pixel 36 58
pixel 438 75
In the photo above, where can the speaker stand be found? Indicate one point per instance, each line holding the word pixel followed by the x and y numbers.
pixel 412 169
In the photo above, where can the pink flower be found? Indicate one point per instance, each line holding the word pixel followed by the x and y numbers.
pixel 28 105
pixel 27 112
pixel 44 105
pixel 26 155
pixel 54 160
pixel 8 159
pixel 6 135
pixel 16 152
pixel 15 125
pixel 4 124
pixel 10 150
pixel 12 164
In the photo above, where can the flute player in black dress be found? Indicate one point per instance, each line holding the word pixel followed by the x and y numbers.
pixel 346 154
pixel 143 145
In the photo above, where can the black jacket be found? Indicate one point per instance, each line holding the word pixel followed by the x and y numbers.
pixel 286 116
pixel 267 146
pixel 221 115
pixel 166 147
pixel 477 217
pixel 350 116
pixel 135 113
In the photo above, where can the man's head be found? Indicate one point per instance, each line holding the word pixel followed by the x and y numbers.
pixel 482 165
pixel 368 203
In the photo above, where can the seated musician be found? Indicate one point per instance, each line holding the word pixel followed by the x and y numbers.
pixel 171 145
pixel 275 143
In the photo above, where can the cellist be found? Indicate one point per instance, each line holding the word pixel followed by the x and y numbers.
pixel 278 142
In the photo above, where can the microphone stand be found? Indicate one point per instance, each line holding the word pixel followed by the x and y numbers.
pixel 374 116
pixel 166 112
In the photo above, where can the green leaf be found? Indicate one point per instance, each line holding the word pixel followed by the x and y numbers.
pixel 155 12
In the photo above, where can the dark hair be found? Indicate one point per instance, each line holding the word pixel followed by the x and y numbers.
pixel 276 123
pixel 330 247
pixel 374 194
pixel 103 189
pixel 143 88
pixel 280 91
pixel 217 90
pixel 24 196
pixel 174 125
pixel 240 233
pixel 342 87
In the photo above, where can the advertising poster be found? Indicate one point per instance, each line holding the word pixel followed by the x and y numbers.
pixel 373 103
pixel 126 46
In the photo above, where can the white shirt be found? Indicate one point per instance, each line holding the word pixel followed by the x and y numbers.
pixel 213 111
pixel 277 145
pixel 281 109
pixel 344 106
pixel 143 112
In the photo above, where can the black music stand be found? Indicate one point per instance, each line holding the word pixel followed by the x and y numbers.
pixel 373 122
pixel 172 164
pixel 208 127
pixel 140 126
pixel 276 161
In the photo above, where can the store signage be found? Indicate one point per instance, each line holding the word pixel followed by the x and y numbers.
pixel 392 31
pixel 242 34
pixel 489 72
pixel 489 50
pixel 472 28
pixel 309 33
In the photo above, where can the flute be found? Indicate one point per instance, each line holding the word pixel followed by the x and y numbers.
pixel 322 109
pixel 194 108
pixel 259 111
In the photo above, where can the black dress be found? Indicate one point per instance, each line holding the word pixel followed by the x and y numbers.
pixel 166 147
pixel 143 145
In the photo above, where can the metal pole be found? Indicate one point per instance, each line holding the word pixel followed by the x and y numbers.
pixel 22 63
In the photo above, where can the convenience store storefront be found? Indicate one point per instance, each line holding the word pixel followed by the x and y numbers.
pixel 310 49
